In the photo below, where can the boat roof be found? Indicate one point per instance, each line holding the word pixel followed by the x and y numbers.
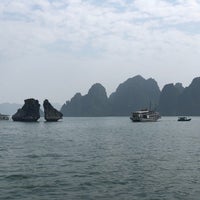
pixel 2 115
pixel 141 111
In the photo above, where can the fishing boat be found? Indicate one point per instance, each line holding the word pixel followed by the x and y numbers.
pixel 4 117
pixel 145 115
pixel 184 119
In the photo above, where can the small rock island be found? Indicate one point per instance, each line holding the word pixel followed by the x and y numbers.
pixel 30 112
pixel 50 113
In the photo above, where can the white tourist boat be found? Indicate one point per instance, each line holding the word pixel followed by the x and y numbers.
pixel 4 117
pixel 145 116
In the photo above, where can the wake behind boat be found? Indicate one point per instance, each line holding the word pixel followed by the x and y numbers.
pixel 145 116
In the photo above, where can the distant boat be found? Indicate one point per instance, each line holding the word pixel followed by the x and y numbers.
pixel 184 119
pixel 145 116
pixel 4 117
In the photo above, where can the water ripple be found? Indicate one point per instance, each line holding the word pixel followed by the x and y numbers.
pixel 100 158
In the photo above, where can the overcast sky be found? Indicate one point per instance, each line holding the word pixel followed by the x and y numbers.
pixel 55 48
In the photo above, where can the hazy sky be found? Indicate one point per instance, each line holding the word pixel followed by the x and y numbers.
pixel 55 48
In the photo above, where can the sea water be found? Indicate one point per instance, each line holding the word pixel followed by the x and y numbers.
pixel 100 158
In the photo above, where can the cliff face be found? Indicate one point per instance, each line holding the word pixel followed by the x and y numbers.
pixel 189 100
pixel 169 100
pixel 134 94
pixel 95 103
pixel 179 87
pixel 176 100
pixel 73 107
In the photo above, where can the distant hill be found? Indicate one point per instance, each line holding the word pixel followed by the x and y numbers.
pixel 189 99
pixel 177 100
pixel 168 104
pixel 135 93
pixel 95 103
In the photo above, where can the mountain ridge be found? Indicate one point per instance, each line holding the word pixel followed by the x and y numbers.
pixel 137 93
pixel 133 94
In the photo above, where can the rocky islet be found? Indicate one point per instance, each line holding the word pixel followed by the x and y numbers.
pixel 50 113
pixel 30 112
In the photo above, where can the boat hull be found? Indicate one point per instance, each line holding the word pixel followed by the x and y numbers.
pixel 186 120
pixel 144 120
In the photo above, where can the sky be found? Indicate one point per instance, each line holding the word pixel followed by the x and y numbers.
pixel 55 48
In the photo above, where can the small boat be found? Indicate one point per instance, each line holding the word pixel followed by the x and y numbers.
pixel 145 116
pixel 4 117
pixel 184 119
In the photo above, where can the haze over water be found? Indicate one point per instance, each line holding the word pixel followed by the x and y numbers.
pixel 100 158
